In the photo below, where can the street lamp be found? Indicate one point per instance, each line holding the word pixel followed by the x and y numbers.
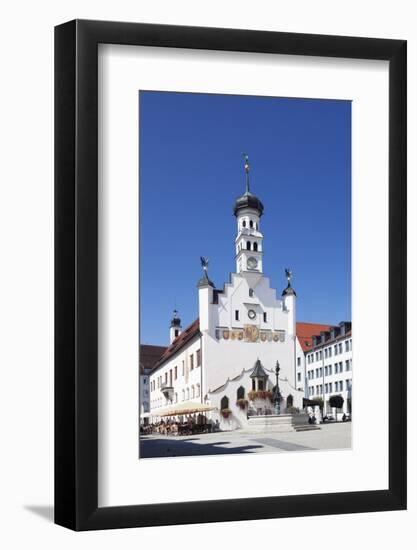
pixel 276 398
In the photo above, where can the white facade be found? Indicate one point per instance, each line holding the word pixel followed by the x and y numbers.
pixel 300 370
pixel 247 322
pixel 328 368
pixel 179 378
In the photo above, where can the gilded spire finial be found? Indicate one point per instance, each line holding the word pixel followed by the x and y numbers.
pixel 247 168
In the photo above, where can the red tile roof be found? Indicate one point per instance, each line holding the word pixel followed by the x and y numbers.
pixel 180 342
pixel 149 355
pixel 306 331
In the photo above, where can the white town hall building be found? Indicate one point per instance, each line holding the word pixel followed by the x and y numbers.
pixel 222 367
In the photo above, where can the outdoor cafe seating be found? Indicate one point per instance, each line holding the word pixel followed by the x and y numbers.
pixel 185 418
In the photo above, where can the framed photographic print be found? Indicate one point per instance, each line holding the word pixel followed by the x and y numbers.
pixel 230 275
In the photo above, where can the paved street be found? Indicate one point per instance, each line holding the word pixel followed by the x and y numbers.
pixel 330 436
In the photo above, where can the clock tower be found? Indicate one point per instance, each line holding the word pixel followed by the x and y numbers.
pixel 248 210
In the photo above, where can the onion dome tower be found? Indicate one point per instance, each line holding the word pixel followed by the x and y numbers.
pixel 248 210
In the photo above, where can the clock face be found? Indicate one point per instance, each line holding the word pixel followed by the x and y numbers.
pixel 252 263
pixel 251 314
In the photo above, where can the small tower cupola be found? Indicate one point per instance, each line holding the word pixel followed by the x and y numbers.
pixel 248 200
pixel 248 210
pixel 259 377
pixel 175 328
pixel 288 291
pixel 204 281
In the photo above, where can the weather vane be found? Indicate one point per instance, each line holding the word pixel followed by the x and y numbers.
pixel 288 274
pixel 204 264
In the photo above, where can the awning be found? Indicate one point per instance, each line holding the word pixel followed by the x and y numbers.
pixel 188 407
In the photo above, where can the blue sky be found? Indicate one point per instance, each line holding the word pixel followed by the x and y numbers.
pixel 191 172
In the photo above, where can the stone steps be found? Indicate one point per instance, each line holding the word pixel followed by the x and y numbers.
pixel 307 428
pixel 279 423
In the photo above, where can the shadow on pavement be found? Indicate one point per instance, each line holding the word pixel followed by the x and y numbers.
pixel 158 448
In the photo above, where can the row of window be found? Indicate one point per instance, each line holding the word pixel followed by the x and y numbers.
pixel 186 394
pixel 339 385
pixel 172 374
pixel 337 349
pixel 252 224
pixel 328 370
pixel 249 246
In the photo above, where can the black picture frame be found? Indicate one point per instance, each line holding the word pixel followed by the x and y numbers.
pixel 76 272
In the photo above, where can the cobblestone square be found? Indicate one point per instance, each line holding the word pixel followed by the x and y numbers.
pixel 330 436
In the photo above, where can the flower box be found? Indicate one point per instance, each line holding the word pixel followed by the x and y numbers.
pixel 225 413
pixel 260 394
